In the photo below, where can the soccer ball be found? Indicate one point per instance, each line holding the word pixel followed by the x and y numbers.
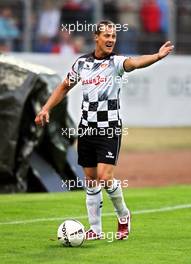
pixel 71 233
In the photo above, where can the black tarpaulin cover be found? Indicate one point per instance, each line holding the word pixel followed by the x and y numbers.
pixel 24 88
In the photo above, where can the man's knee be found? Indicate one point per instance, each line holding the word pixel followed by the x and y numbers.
pixel 90 173
pixel 105 178
pixel 91 177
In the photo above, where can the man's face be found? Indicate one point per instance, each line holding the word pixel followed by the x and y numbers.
pixel 105 41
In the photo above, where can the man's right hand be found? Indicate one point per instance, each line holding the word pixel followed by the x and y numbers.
pixel 42 117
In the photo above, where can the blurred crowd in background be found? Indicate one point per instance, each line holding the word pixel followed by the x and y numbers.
pixel 36 25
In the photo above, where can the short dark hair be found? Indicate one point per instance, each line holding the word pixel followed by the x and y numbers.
pixel 99 26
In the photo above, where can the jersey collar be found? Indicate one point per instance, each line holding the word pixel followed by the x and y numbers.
pixel 103 58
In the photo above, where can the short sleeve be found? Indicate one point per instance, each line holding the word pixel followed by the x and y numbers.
pixel 73 74
pixel 118 62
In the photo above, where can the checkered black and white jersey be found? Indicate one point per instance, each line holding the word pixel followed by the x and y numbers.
pixel 101 83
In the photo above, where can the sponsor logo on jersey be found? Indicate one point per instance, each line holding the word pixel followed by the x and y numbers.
pixel 87 66
pixel 104 65
pixel 97 80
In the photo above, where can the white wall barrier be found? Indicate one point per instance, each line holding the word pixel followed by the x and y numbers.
pixel 157 96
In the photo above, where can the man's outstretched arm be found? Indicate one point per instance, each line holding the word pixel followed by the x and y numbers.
pixel 131 64
pixel 55 98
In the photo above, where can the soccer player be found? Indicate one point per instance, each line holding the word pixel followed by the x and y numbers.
pixel 99 73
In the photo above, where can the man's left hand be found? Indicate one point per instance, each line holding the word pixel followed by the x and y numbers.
pixel 165 50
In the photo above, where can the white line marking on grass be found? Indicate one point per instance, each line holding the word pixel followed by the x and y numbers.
pixel 144 211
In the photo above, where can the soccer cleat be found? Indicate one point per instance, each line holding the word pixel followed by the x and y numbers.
pixel 124 226
pixel 91 235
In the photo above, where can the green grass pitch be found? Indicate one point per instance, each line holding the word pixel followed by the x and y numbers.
pixel 157 236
